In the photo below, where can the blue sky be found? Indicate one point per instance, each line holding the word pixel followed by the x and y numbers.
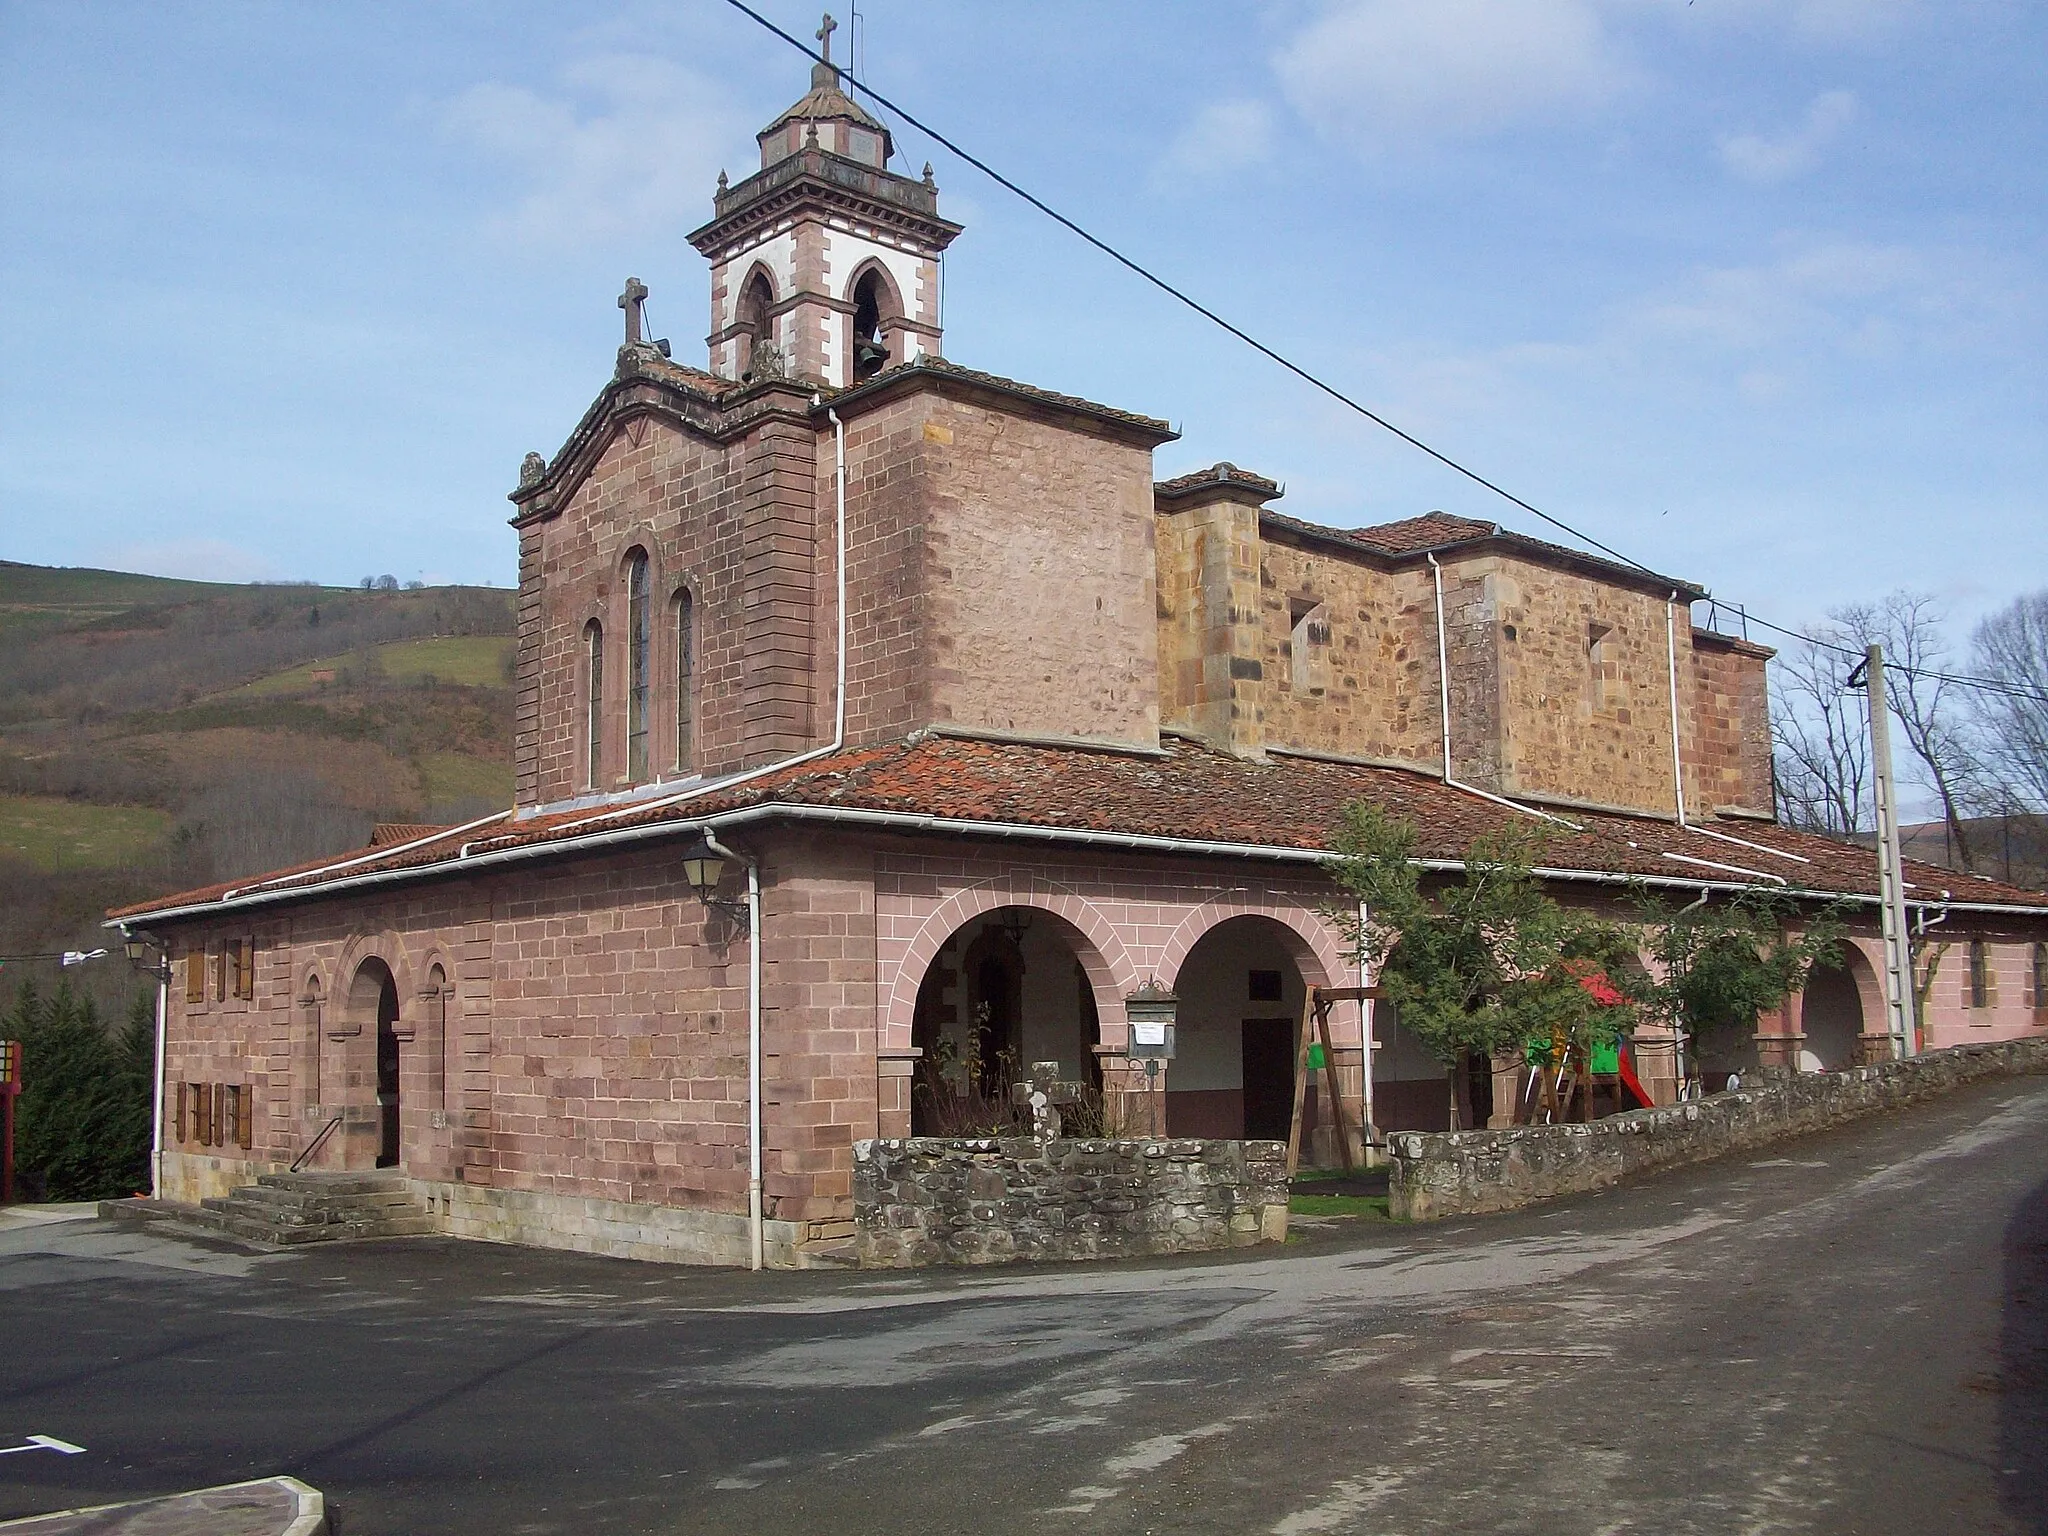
pixel 1755 290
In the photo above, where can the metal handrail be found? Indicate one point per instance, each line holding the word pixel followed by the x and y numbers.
pixel 315 1144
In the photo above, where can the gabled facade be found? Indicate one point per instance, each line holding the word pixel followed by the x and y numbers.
pixel 990 730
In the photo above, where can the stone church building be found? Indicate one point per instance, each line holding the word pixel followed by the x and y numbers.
pixel 879 719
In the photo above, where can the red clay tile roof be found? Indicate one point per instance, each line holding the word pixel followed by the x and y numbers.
pixel 385 833
pixel 1216 474
pixel 1413 536
pixel 1432 530
pixel 1189 792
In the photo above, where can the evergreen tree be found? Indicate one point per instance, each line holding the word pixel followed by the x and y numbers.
pixel 82 1120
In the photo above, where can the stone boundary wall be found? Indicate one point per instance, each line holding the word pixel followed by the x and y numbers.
pixel 1467 1173
pixel 930 1200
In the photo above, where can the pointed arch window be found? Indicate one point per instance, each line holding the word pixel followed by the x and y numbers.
pixel 593 725
pixel 686 677
pixel 639 664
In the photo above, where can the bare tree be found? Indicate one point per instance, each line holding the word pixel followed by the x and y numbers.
pixel 2012 647
pixel 1929 709
pixel 1820 737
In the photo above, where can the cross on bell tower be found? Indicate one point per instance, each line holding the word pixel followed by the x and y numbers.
pixel 825 262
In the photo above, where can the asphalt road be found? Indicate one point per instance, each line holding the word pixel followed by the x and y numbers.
pixel 1850 1335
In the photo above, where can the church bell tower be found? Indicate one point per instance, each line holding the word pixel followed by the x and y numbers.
pixel 824 263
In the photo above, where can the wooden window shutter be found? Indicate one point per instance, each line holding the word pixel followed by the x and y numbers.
pixel 245 1116
pixel 181 1111
pixel 245 968
pixel 218 1125
pixel 220 973
pixel 195 975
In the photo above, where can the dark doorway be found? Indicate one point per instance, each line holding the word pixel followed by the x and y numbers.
pixel 387 1074
pixel 1268 1078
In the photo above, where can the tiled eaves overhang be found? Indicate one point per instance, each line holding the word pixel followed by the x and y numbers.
pixel 1190 802
pixel 972 384
pixel 1496 541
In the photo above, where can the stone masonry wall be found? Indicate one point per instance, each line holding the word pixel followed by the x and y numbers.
pixel 1728 758
pixel 930 1201
pixel 1465 1173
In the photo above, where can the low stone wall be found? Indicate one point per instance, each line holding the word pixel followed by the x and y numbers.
pixel 927 1200
pixel 1465 1173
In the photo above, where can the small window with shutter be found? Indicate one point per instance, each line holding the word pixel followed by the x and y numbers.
pixel 183 1088
pixel 245 968
pixel 195 974
pixel 220 973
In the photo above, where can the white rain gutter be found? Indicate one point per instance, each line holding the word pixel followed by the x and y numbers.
pixel 372 856
pixel 838 740
pixel 756 1244
pixel 1443 690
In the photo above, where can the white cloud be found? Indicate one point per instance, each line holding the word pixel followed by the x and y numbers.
pixel 1407 70
pixel 629 143
pixel 1755 157
pixel 1224 136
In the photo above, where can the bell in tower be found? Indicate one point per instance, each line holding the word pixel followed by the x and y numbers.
pixel 824 263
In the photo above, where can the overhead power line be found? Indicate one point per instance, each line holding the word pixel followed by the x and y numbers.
pixel 1311 379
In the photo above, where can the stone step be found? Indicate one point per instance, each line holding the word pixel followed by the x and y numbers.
pixel 321 1200
pixel 248 1215
pixel 353 1182
pixel 842 1253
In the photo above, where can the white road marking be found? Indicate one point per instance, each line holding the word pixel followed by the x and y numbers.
pixel 44 1443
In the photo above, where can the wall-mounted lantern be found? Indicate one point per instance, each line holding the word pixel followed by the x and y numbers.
pixel 702 871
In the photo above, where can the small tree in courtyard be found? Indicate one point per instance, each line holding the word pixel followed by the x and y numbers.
pixel 82 1121
pixel 1723 962
pixel 1488 963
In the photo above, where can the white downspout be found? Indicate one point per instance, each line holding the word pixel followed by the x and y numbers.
pixel 1365 1028
pixel 156 1115
pixel 756 1243
pixel 1443 663
pixel 1671 662
pixel 839 478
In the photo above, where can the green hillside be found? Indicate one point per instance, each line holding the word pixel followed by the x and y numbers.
pixel 156 734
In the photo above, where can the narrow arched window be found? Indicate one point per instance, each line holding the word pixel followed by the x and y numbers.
pixel 639 664
pixel 593 645
pixel 686 676
pixel 756 299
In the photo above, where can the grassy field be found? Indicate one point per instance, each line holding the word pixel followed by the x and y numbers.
pixel 476 661
pixel 62 835
pixel 38 597
pixel 447 776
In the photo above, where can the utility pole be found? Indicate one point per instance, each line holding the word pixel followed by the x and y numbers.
pixel 1891 882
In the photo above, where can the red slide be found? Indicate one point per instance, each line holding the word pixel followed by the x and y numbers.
pixel 1628 1080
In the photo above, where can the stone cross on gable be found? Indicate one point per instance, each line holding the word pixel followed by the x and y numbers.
pixel 633 302
pixel 1045 1093
pixel 824 35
